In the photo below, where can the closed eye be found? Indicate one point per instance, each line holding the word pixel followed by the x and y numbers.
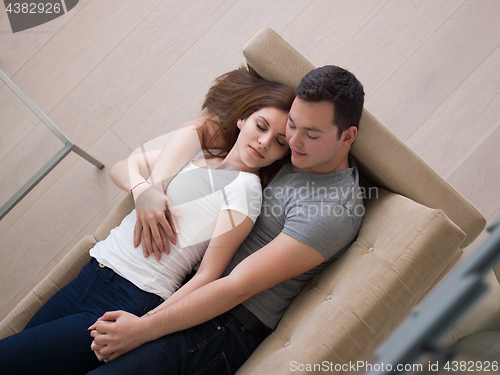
pixel 282 144
pixel 259 126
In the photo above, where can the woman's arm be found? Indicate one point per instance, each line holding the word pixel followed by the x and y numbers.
pixel 129 172
pixel 149 172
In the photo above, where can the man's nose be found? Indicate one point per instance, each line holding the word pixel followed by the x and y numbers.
pixel 294 139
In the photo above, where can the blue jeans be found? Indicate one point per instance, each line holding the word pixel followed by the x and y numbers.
pixel 218 347
pixel 56 340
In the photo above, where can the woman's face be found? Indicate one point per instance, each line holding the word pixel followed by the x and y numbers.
pixel 262 138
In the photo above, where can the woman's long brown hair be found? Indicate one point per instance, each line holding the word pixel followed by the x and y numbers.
pixel 238 94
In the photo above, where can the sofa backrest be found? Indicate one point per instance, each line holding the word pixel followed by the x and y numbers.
pixel 383 159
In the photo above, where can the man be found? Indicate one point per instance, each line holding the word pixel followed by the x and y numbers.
pixel 309 217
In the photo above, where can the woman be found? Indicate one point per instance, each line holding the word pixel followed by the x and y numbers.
pixel 219 202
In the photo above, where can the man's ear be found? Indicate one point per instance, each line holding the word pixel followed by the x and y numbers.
pixel 349 135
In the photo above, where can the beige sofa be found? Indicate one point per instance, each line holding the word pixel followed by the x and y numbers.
pixel 413 232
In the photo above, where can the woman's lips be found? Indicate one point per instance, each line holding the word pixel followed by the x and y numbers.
pixel 296 153
pixel 255 152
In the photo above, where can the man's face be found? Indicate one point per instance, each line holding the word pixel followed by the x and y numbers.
pixel 313 138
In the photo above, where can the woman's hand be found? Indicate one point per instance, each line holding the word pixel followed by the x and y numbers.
pixel 97 348
pixel 116 333
pixel 155 221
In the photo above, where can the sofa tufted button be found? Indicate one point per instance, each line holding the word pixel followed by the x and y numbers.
pixel 329 297
pixel 370 250
pixel 286 344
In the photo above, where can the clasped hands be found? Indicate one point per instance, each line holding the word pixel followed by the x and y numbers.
pixel 116 333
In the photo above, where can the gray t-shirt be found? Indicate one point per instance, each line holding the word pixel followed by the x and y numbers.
pixel 323 211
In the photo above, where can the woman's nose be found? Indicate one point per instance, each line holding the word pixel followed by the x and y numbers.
pixel 264 141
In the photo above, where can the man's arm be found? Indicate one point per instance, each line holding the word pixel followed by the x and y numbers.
pixel 231 230
pixel 282 259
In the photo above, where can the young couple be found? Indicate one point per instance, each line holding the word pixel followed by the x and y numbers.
pixel 249 273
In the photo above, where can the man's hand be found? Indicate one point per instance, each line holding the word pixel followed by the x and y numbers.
pixel 155 221
pixel 116 333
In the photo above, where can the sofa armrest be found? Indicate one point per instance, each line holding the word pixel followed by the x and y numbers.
pixel 65 271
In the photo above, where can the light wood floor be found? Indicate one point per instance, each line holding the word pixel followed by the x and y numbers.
pixel 113 74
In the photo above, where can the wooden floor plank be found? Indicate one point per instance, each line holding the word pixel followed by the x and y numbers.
pixel 2 9
pixel 481 238
pixel 35 194
pixel 72 54
pixel 25 158
pixel 390 38
pixel 81 4
pixel 438 67
pixel 494 216
pixel 177 96
pixel 19 104
pixel 4 30
pixel 14 124
pixel 478 178
pixel 71 203
pixel 132 68
pixel 464 121
pixel 7 306
pixel 325 26
pixel 18 48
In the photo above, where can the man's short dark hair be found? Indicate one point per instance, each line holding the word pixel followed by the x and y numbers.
pixel 338 86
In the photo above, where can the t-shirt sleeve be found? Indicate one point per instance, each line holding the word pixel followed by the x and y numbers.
pixel 327 227
pixel 244 195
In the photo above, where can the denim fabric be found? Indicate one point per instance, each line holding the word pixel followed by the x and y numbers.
pixel 219 347
pixel 57 340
